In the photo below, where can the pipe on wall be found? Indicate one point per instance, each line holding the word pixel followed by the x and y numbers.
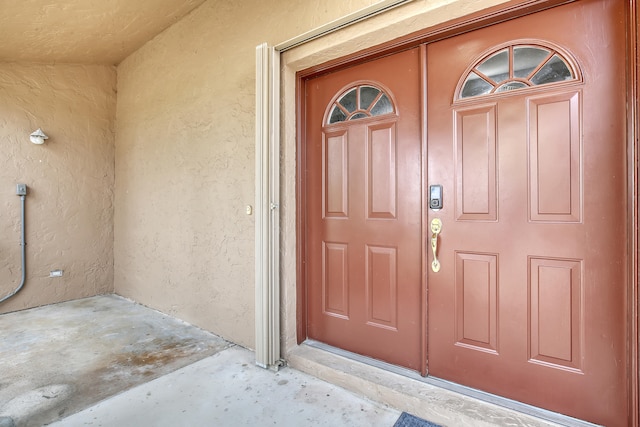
pixel 23 245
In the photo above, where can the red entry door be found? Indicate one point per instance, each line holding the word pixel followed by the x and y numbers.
pixel 363 209
pixel 526 135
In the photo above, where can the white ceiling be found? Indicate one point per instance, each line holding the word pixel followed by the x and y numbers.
pixel 83 31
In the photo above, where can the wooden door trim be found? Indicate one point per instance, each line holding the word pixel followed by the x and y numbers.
pixel 510 10
pixel 633 120
pixel 301 214
pixel 424 366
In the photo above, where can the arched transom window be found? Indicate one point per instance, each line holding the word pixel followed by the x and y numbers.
pixel 359 102
pixel 514 67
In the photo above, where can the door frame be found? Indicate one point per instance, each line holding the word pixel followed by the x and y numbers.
pixel 506 11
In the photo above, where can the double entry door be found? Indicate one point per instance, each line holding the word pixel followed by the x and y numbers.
pixel 466 209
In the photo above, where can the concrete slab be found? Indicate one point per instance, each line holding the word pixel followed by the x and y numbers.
pixel 228 389
pixel 59 359
pixel 435 404
pixel 106 361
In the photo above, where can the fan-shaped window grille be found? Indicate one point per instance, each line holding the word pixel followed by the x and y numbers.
pixel 360 102
pixel 516 67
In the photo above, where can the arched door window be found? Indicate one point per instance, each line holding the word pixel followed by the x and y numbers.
pixel 517 66
pixel 360 102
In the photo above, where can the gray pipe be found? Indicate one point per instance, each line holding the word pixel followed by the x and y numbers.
pixel 24 245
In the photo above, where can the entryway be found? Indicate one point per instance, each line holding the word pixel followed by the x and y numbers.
pixel 466 210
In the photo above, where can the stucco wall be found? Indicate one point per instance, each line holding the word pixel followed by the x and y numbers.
pixel 185 151
pixel 185 160
pixel 69 207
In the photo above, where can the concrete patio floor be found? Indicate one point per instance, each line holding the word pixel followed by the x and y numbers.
pixel 107 361
pixel 228 389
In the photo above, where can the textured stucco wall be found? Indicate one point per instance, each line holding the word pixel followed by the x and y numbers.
pixel 69 207
pixel 185 160
pixel 185 151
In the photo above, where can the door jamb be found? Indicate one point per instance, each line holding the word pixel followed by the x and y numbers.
pixel 633 121
pixel 510 10
pixel 424 362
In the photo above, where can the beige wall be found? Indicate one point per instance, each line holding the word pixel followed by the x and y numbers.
pixel 185 151
pixel 185 160
pixel 69 207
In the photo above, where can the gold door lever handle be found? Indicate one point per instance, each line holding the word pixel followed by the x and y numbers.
pixel 436 228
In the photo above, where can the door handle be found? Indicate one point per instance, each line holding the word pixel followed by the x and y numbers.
pixel 436 228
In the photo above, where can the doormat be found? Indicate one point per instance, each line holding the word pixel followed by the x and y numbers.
pixel 408 420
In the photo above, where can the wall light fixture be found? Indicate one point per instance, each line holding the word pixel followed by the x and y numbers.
pixel 38 137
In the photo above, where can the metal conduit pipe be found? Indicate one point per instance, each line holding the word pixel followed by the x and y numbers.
pixel 22 192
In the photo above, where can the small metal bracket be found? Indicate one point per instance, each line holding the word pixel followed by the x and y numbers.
pixel 278 364
pixel 273 206
pixel 21 189
pixel 275 367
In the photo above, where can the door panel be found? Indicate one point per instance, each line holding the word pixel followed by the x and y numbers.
pixel 555 295
pixel 529 302
pixel 363 191
pixel 554 157
pixel 476 297
pixel 476 163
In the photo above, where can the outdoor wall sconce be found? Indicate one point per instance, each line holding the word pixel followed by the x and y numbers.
pixel 38 137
